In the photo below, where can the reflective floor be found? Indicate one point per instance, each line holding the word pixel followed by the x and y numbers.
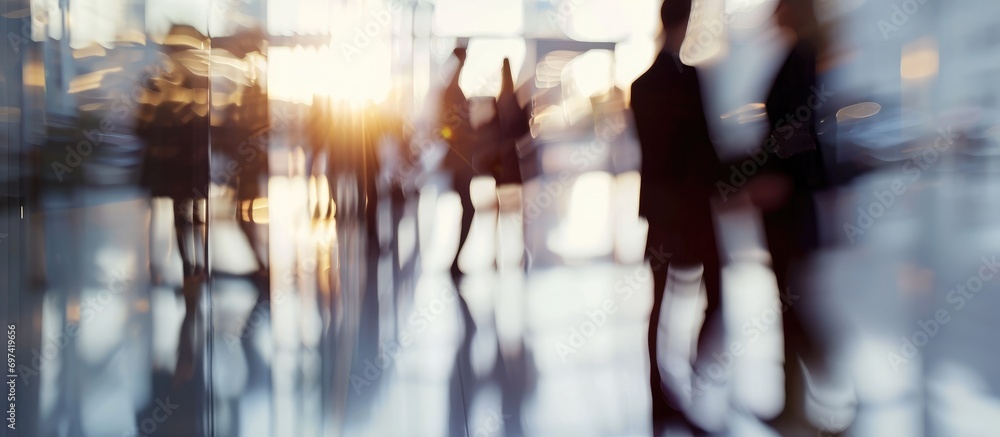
pixel 347 334
pixel 343 334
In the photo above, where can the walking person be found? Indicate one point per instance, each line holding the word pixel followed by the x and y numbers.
pixel 784 187
pixel 679 169
pixel 455 128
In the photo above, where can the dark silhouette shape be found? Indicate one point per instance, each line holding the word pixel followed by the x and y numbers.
pixel 175 165
pixel 243 138
pixel 679 170
pixel 487 149
pixel 795 165
pixel 251 179
pixel 455 128
pixel 498 139
pixel 175 130
pixel 512 122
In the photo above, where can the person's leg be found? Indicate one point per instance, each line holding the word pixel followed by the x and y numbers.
pixel 248 225
pixel 461 186
pixel 199 217
pixel 711 339
pixel 654 248
pixel 190 231
pixel 656 385
pixel 780 229
pixel 183 232
pixel 155 263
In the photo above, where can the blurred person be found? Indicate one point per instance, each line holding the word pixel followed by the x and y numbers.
pixel 243 137
pixel 783 188
pixel 396 164
pixel 498 125
pixel 455 128
pixel 318 136
pixel 679 169
pixel 513 124
pixel 173 120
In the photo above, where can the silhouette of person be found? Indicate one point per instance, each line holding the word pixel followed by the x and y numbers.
pixel 173 121
pixel 793 172
pixel 243 137
pixel 175 130
pixel 497 151
pixel 679 168
pixel 455 128
pixel 512 122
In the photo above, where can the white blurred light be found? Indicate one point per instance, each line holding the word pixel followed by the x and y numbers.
pixel 748 113
pixel 706 32
pixel 478 17
pixel 299 17
pixel 593 20
pixel 297 74
pixel 633 58
pixel 737 6
pixel 585 231
pixel 481 75
pixel 96 21
pixel 630 230
pixel 590 74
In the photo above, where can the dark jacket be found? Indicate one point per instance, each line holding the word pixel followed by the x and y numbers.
pixel 793 104
pixel 175 162
pixel 513 124
pixel 679 164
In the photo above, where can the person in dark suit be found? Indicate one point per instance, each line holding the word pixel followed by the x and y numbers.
pixel 679 170
pixel 793 172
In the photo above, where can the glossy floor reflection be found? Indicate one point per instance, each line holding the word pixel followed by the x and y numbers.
pixel 354 331
pixel 559 350
pixel 346 335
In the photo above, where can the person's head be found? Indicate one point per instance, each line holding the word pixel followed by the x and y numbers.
pixel 461 49
pixel 798 16
pixel 674 15
pixel 460 53
pixel 506 75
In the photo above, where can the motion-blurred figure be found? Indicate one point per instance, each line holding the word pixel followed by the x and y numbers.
pixel 498 150
pixel 173 120
pixel 512 122
pixel 793 172
pixel 679 170
pixel 455 127
pixel 242 137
